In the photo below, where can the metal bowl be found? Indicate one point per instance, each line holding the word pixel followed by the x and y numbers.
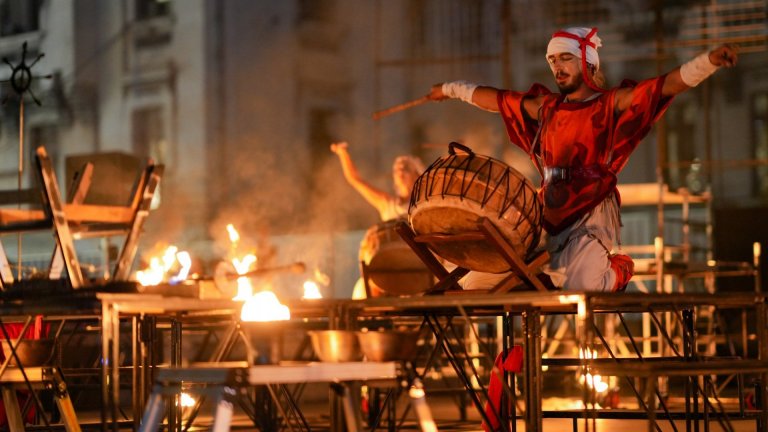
pixel 31 352
pixel 388 345
pixel 336 346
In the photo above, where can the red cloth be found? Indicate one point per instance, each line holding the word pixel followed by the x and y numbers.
pixel 512 364
pixel 36 330
pixel 578 135
pixel 624 268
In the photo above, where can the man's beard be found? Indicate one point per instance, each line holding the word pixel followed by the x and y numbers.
pixel 567 89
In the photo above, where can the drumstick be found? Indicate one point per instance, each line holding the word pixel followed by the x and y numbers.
pixel 297 267
pixel 397 108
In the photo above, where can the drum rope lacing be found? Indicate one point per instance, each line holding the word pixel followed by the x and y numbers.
pixel 428 182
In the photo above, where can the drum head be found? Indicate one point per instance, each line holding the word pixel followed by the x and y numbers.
pixel 479 255
pixel 460 189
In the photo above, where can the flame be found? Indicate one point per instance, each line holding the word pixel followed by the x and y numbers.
pixel 242 266
pixel 187 401
pixel 322 278
pixel 264 306
pixel 234 236
pixel 153 275
pixel 185 260
pixel 311 290
pixel 160 267
pixel 592 381
pixel 244 287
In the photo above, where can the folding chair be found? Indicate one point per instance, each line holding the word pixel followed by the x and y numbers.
pixel 76 220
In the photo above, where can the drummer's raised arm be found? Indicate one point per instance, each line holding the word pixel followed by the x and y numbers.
pixel 375 196
pixel 479 96
pixel 483 97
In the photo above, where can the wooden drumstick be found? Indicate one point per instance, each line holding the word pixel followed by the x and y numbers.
pixel 397 108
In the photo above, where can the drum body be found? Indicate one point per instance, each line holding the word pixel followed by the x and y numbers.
pixel 389 264
pixel 457 190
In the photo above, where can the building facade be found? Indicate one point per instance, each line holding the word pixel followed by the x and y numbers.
pixel 240 99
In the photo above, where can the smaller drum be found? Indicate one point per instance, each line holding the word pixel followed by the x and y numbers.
pixel 389 264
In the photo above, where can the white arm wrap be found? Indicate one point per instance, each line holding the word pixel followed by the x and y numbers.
pixel 697 70
pixel 459 90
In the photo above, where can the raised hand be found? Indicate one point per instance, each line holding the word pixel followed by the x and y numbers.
pixel 436 93
pixel 724 55
pixel 339 147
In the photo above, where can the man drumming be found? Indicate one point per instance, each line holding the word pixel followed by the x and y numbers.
pixel 580 139
pixel 405 170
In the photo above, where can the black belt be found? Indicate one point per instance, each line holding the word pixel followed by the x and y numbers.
pixel 558 174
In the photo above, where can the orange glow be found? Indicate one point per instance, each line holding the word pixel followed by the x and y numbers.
pixel 592 381
pixel 234 236
pixel 242 266
pixel 264 306
pixel 311 290
pixel 160 268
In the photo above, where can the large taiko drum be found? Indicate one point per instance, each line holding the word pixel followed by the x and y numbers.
pixel 457 190
pixel 389 264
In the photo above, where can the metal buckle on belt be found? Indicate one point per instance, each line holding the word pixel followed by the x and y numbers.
pixel 553 174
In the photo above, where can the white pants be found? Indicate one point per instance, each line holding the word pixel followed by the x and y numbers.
pixel 579 254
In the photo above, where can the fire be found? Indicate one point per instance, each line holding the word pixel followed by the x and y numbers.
pixel 185 260
pixel 244 287
pixel 242 266
pixel 160 267
pixel 311 290
pixel 592 381
pixel 187 401
pixel 312 286
pixel 264 306
pixel 234 236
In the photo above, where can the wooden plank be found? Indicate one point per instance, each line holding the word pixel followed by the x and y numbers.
pixel 15 216
pixel 98 213
pixel 519 267
pixel 75 213
pixel 640 194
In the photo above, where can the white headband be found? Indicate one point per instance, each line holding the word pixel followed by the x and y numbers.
pixel 568 40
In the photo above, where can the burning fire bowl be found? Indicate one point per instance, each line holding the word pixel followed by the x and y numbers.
pixel 336 346
pixel 31 352
pixel 388 345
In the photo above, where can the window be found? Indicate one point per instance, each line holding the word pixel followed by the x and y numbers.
pixel 760 143
pixel 320 122
pixel 681 149
pixel 148 133
pixel 19 16
pixel 314 10
pixel 148 9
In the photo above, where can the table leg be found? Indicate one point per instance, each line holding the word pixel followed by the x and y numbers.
pixel 222 418
pixel 420 406
pixel 153 414
pixel 12 410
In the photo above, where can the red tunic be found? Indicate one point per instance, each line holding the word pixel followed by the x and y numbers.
pixel 588 139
